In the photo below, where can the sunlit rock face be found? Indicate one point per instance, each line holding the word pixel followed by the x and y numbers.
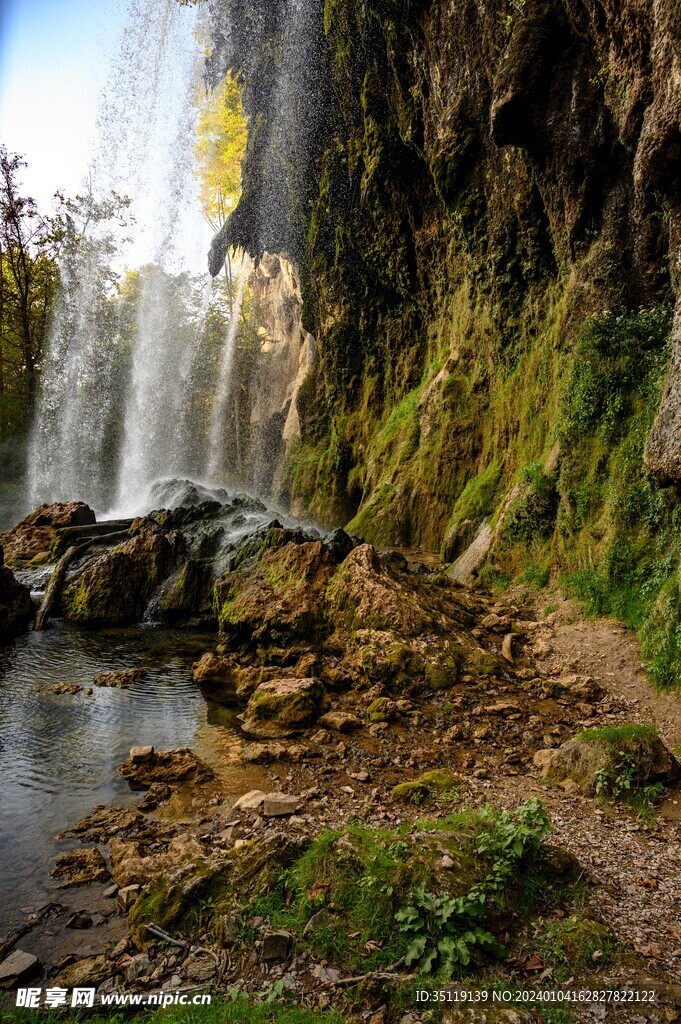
pixel 286 355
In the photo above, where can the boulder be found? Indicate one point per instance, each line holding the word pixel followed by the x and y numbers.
pixel 16 607
pixel 281 707
pixel 30 540
pixel 251 801
pixel 338 544
pixel 115 588
pixel 79 867
pixel 217 676
pixel 367 593
pixel 282 596
pixel 616 761
pixel 165 766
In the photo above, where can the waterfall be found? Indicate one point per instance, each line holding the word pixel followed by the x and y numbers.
pixel 226 384
pixel 116 408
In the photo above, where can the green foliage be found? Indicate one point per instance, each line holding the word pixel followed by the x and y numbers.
pixel 569 943
pixel 619 532
pixel 533 515
pixel 443 931
pixel 238 1010
pixel 364 898
pixel 472 505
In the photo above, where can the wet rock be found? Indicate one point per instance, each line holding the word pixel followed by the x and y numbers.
pixel 136 863
pixel 115 588
pixel 338 544
pixel 121 678
pixel 81 919
pixel 157 794
pixel 279 805
pixel 215 673
pixel 283 596
pixel 340 721
pixel 141 755
pixel 87 973
pixel 59 688
pixel 166 766
pixel 16 607
pixel 264 753
pixel 276 946
pixel 18 966
pixel 103 823
pixel 281 707
pixel 79 867
pixel 31 539
pixel 395 560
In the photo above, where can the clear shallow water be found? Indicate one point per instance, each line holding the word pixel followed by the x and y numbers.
pixel 59 754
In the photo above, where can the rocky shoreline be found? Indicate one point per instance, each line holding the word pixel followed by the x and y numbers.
pixel 384 706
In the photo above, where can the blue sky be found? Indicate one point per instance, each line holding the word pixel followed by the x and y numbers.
pixel 54 55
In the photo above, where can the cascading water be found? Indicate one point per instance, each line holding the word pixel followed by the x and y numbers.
pixel 225 389
pixel 126 379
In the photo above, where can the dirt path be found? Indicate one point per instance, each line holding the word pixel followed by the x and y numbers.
pixel 610 653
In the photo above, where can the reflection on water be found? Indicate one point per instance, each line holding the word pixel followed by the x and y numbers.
pixel 59 754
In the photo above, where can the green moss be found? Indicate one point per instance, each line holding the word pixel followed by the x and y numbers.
pixel 570 943
pixel 618 734
pixel 431 784
pixel 342 896
pixel 471 507
pixel 381 710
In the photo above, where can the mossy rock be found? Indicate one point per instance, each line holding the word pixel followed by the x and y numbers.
pixel 482 663
pixel 382 710
pixel 115 588
pixel 283 706
pixel 431 784
pixel 573 940
pixel 186 592
pixel 618 761
pixel 443 673
pixel 279 598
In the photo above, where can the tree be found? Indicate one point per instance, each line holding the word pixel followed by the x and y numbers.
pixel 28 283
pixel 221 132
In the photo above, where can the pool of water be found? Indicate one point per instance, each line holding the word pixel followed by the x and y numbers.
pixel 59 754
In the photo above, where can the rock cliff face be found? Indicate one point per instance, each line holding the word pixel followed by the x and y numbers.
pixel 488 236
pixel 285 355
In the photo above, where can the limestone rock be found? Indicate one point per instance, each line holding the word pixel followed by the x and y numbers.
pixel 137 863
pixel 281 707
pixel 276 946
pixel 79 867
pixel 282 596
pixel 279 805
pixel 251 801
pixel 17 966
pixel 121 678
pixel 165 766
pixel 30 540
pixel 340 721
pixel 598 758
pixel 87 973
pixel 114 589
